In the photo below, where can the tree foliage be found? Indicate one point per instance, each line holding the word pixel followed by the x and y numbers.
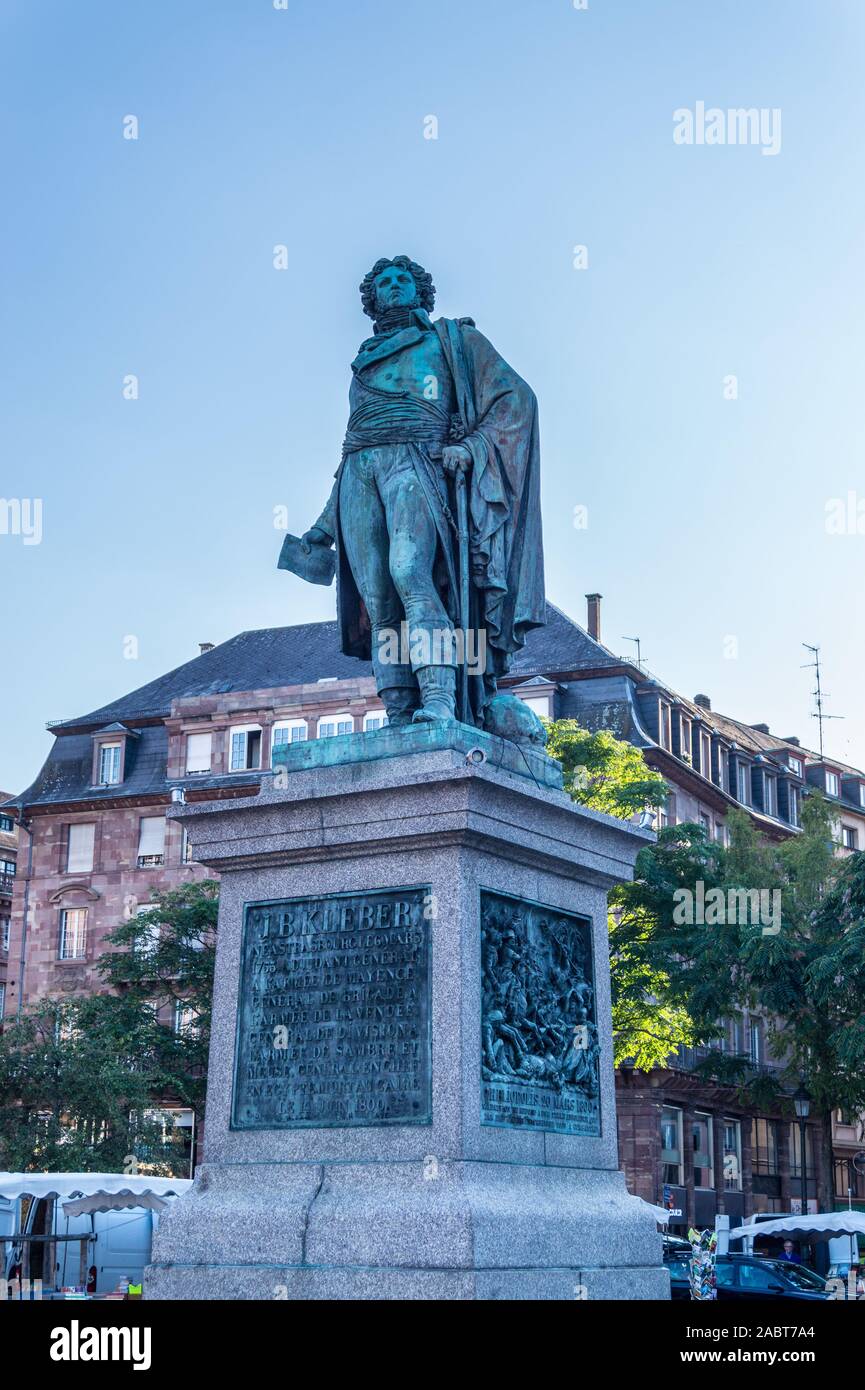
pixel 80 1079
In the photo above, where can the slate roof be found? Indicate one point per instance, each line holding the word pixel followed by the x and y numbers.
pixel 303 654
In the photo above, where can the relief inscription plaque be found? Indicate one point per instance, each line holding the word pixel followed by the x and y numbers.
pixel 333 1025
pixel 539 1039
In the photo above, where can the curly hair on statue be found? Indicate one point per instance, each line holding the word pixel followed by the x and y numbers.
pixel 426 290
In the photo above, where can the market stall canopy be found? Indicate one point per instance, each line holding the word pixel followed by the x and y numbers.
pixel 814 1226
pixel 92 1192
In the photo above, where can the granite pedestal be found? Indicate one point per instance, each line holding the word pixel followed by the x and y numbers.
pixel 404 1182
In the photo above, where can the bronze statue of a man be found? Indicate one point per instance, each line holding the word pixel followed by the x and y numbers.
pixel 433 409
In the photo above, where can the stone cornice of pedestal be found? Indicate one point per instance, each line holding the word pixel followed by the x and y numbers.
pixel 401 804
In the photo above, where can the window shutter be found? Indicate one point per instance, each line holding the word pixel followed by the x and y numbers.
pixel 198 752
pixel 79 858
pixel 151 839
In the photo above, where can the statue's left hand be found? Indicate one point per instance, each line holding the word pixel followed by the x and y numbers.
pixel 456 458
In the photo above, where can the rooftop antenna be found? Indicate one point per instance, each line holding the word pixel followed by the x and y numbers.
pixel 820 695
pixel 639 657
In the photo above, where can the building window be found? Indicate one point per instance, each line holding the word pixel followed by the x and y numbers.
pixel 793 795
pixel 151 842
pixel 706 823
pixel 795 765
pixel 285 732
pixel 376 718
pixel 755 1050
pixel 706 755
pixel 8 824
pixel 539 703
pixel 199 749
pixel 851 837
pixel 743 783
pixel 671 1145
pixel 770 795
pixel 862 793
pixel 185 1019
pixel 732 1155
pixel 701 1130
pixel 8 867
pixel 722 835
pixel 764 1147
pixel 330 725
pixel 245 749
pixel 73 933
pixel 79 849
pixel 684 739
pixel 186 848
pixel 665 736
pixel 723 768
pixel 151 932
pixel 832 783
pixel 109 764
pixel 2 1000
pixel 5 927
pixel 796 1152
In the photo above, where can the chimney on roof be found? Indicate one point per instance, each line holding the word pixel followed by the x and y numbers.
pixel 792 739
pixel 760 728
pixel 594 619
pixel 205 647
pixel 703 701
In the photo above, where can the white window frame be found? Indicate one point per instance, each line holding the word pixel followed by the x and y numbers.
pixel 743 782
pixel 5 931
pixel 795 765
pixel 674 1111
pixel 245 729
pixel 109 747
pixel 709 1121
pixel 770 795
pixel 794 805
pixel 378 714
pixel 199 757
pixel 832 783
pixel 686 753
pixel 86 861
pixel 293 726
pixel 79 933
pixel 153 929
pixel 336 719
pixel 705 755
pixel 539 703
pixel 723 768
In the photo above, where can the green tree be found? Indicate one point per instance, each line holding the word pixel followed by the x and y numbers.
pixel 604 772
pixel 81 1079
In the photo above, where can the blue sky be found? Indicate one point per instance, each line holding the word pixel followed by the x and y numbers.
pixel 305 127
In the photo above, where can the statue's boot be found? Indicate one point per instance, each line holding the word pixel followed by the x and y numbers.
pixel 438 693
pixel 401 702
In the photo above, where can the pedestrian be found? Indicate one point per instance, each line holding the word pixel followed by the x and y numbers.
pixel 789 1254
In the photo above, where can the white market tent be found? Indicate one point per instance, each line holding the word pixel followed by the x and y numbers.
pixel 92 1192
pixel 815 1226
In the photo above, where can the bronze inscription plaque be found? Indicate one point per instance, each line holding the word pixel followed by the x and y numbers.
pixel 333 1025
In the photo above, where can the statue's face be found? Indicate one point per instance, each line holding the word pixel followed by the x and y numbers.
pixel 395 288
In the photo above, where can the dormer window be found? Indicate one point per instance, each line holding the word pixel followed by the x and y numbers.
pixel 665 735
pixel 684 739
pixel 112 754
pixel 743 783
pixel 109 764
pixel 862 793
pixel 245 748
pixel 795 765
pixel 831 783
pixel 770 795
pixel 705 755
pixel 723 768
pixel 198 753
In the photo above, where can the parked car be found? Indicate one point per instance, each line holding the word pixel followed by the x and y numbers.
pixel 751 1278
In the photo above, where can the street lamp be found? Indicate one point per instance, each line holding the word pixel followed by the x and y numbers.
pixel 802 1102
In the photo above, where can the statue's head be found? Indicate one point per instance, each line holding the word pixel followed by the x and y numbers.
pixel 396 284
